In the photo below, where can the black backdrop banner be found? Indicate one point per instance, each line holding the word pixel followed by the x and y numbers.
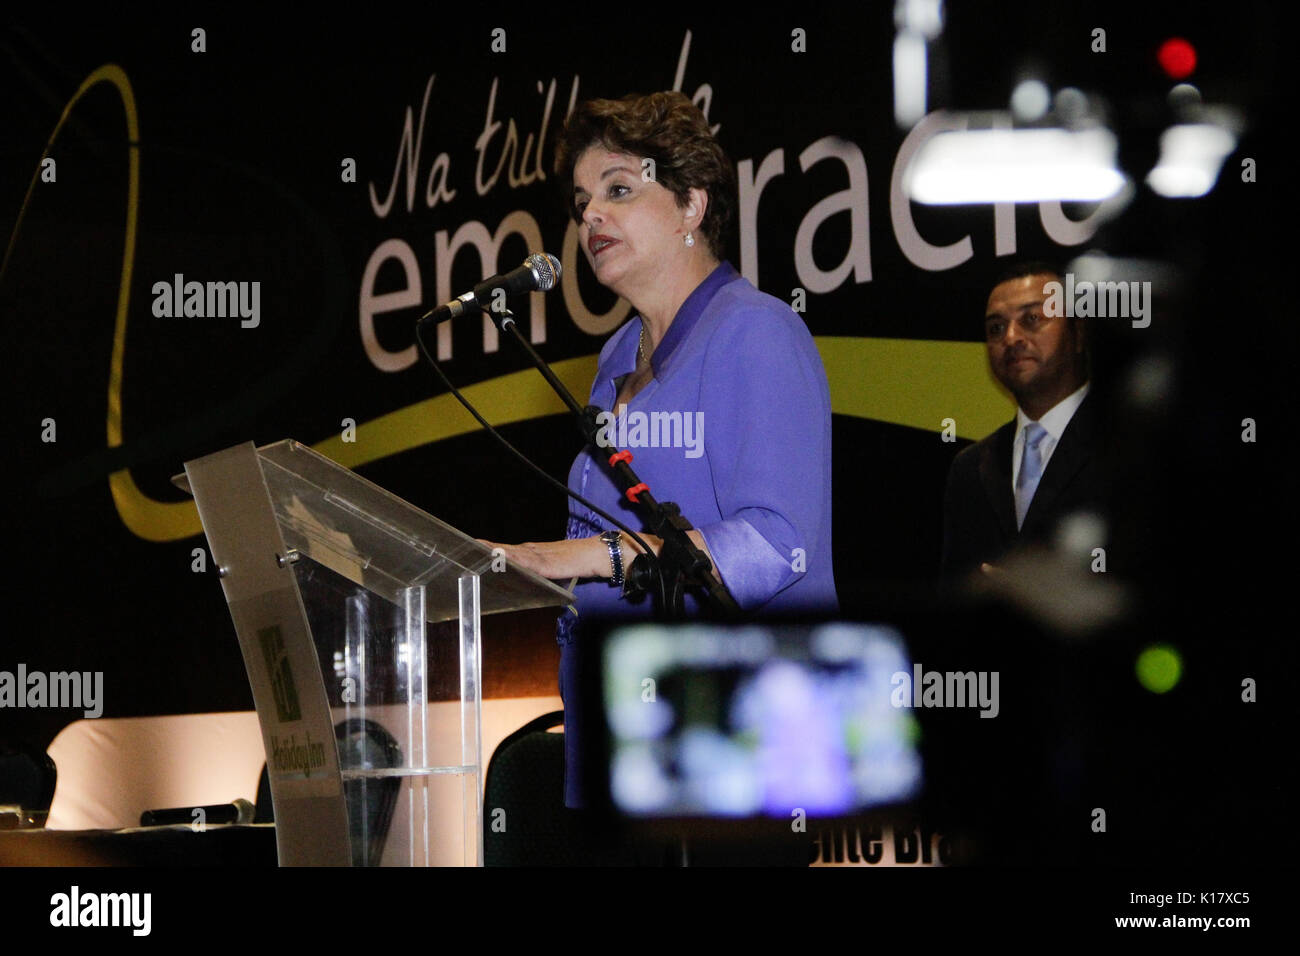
pixel 346 178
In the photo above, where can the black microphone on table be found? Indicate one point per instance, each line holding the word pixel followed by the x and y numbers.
pixel 539 273
pixel 238 811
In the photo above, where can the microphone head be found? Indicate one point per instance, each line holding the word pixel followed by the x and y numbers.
pixel 246 810
pixel 545 269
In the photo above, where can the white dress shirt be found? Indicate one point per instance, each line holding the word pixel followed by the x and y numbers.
pixel 1053 422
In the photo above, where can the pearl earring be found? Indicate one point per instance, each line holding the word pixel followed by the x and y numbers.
pixel 690 239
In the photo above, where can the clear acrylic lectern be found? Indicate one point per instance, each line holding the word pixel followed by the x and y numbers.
pixel 358 617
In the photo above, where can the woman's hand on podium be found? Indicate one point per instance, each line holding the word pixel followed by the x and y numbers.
pixel 582 557
pixel 559 560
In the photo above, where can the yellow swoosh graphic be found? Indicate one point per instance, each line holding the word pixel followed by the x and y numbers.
pixel 907 382
pixel 915 382
pixel 516 397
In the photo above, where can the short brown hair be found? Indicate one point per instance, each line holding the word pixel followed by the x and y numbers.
pixel 665 127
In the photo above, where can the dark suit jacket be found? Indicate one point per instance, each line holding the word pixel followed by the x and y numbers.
pixel 979 521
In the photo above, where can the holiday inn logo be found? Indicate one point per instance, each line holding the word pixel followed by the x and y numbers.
pixel 281 675
pixel 290 756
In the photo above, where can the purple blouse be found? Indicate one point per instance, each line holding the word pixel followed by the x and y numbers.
pixel 735 427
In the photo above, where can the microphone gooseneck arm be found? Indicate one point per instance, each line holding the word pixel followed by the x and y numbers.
pixel 680 564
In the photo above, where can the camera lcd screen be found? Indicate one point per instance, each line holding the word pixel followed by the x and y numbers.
pixel 757 720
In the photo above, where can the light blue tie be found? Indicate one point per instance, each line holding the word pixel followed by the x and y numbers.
pixel 1031 469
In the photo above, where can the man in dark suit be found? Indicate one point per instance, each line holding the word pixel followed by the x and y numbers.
pixel 1012 486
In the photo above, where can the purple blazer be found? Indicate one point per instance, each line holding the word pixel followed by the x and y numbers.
pixel 735 427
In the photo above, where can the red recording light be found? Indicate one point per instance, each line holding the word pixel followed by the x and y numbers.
pixel 1177 58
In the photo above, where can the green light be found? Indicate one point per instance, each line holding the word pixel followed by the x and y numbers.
pixel 1158 668
pixel 911 729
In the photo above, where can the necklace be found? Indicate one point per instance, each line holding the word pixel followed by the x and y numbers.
pixel 640 347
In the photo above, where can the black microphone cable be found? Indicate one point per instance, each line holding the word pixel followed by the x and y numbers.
pixel 650 555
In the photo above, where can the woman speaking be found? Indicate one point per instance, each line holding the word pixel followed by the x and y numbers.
pixel 750 465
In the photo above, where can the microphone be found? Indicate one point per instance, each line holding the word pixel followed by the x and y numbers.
pixel 539 273
pixel 238 810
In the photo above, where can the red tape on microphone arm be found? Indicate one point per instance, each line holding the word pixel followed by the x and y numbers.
pixel 618 456
pixel 636 490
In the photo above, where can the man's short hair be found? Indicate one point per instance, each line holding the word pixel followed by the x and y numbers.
pixel 1029 267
